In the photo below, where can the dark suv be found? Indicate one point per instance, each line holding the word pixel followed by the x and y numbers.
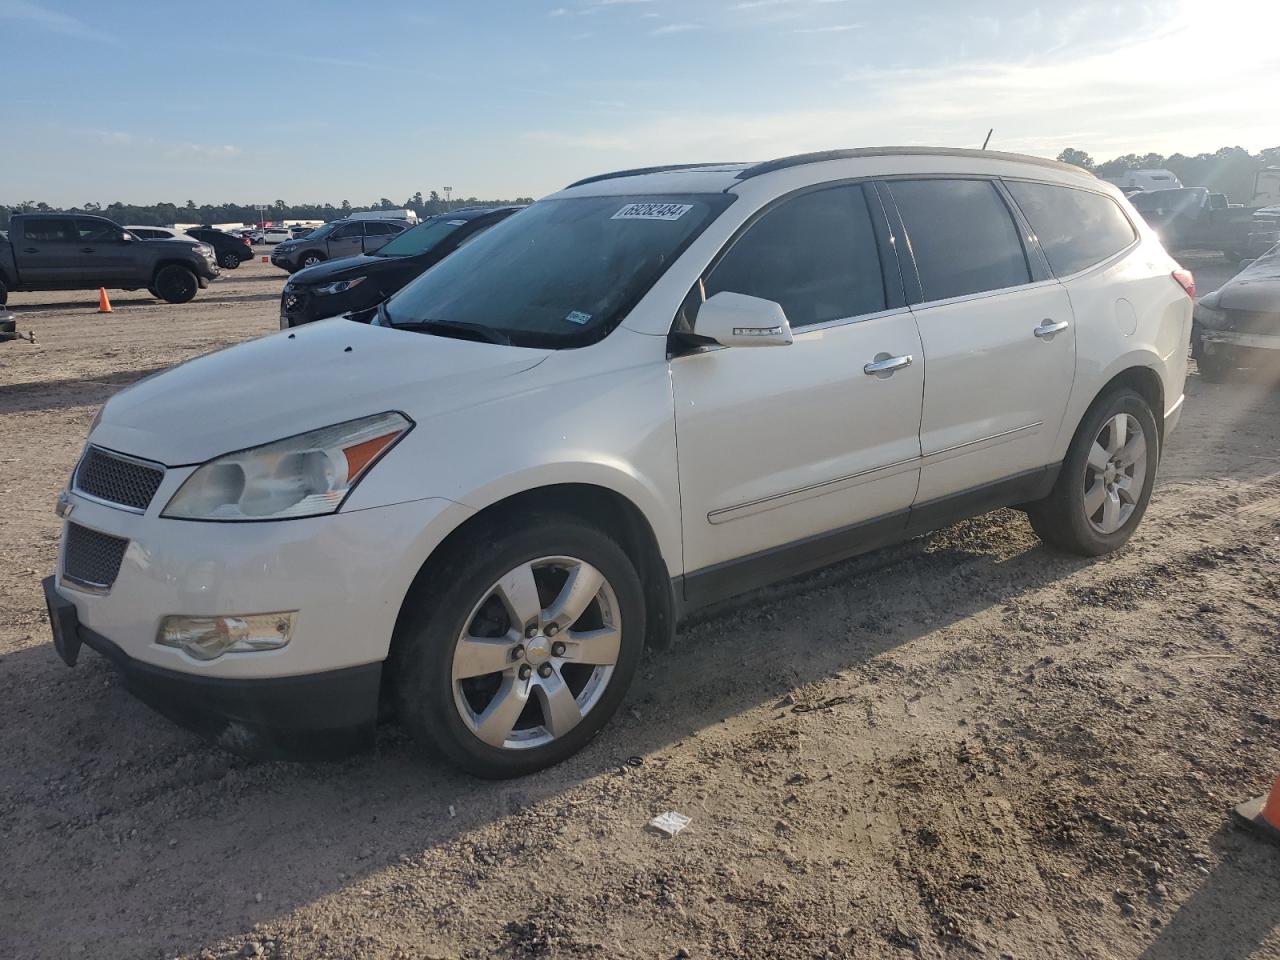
pixel 357 283
pixel 340 238
pixel 231 251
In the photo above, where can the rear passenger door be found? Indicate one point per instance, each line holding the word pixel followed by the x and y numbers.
pixel 48 252
pixel 346 240
pixel 376 235
pixel 997 335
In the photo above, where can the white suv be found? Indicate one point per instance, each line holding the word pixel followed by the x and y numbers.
pixel 648 392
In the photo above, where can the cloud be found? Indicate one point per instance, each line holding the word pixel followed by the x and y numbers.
pixel 24 11
pixel 834 28
pixel 558 12
pixel 670 28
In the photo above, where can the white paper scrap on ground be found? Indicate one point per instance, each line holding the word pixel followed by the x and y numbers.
pixel 670 822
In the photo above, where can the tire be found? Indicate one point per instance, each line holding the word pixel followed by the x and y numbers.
pixel 1064 519
pixel 310 259
pixel 4 294
pixel 175 284
pixel 462 592
pixel 229 261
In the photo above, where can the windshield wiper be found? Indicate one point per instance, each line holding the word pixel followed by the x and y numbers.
pixel 454 328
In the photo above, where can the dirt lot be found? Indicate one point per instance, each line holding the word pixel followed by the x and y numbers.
pixel 967 746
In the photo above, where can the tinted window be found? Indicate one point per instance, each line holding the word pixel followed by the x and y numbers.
pixel 48 231
pixel 815 254
pixel 1076 228
pixel 346 231
pixel 963 236
pixel 380 229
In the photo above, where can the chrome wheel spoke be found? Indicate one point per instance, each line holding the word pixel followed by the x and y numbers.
pixel 579 590
pixel 1133 451
pixel 1098 457
pixel 1125 490
pixel 478 656
pixel 1111 512
pixel 1119 433
pixel 560 711
pixel 495 724
pixel 598 647
pixel 519 594
pixel 1094 497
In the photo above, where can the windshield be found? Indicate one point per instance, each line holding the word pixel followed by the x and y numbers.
pixel 561 273
pixel 421 238
pixel 317 233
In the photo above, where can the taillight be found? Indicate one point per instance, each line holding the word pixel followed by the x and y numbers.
pixel 1187 281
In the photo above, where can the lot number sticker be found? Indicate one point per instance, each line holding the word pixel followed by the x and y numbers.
pixel 652 211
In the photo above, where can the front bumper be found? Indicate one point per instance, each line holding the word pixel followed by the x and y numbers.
pixel 301 305
pixel 285 260
pixel 314 716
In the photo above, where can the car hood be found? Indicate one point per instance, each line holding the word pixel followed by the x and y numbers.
pixel 341 269
pixel 1256 289
pixel 300 380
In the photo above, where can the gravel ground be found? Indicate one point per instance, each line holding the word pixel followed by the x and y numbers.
pixel 964 746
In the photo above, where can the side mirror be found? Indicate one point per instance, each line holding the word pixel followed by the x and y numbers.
pixel 125 235
pixel 737 320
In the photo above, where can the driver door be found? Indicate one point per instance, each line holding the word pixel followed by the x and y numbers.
pixel 346 241
pixel 791 457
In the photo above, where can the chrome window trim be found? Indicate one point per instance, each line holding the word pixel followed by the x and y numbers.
pixel 849 321
pixel 986 294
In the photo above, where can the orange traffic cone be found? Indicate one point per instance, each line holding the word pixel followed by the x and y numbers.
pixel 1262 815
pixel 104 305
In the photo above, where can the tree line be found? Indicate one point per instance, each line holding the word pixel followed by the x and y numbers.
pixel 1230 170
pixel 164 214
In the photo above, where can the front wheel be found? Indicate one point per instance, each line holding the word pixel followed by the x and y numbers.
pixel 512 653
pixel 176 284
pixel 311 259
pixel 1105 483
pixel 4 294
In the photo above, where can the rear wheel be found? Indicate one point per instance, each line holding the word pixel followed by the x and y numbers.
pixel 4 294
pixel 229 260
pixel 518 649
pixel 1106 479
pixel 176 284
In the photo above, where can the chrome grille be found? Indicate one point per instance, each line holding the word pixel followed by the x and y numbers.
pixel 117 479
pixel 90 558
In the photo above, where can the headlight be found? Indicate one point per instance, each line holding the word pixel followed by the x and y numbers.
pixel 341 286
pixel 304 476
pixel 206 250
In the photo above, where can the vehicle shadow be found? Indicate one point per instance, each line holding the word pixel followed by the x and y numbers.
pixel 71 392
pixel 206 297
pixel 168 820
pixel 1222 920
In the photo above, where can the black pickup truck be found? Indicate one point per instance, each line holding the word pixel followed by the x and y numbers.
pixel 54 251
pixel 1192 218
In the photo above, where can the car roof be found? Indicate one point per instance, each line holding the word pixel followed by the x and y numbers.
pixel 724 177
pixel 472 213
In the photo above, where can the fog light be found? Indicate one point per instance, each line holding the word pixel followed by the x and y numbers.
pixel 207 638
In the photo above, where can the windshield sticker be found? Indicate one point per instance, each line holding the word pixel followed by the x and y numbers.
pixel 578 317
pixel 652 211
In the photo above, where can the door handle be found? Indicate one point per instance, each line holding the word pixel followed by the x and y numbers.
pixel 885 365
pixel 30 249
pixel 86 249
pixel 1048 329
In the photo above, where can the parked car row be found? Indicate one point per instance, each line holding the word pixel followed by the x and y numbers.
pixel 65 252
pixel 646 393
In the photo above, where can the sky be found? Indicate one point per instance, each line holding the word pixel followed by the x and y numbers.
pixel 146 101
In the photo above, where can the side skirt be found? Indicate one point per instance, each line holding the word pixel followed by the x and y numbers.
pixel 724 580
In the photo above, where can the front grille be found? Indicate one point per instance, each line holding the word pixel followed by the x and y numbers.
pixel 90 558
pixel 116 479
pixel 292 301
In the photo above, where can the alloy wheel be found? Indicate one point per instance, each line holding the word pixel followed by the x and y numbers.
pixel 1115 474
pixel 536 653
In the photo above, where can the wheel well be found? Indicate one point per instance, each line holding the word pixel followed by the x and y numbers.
pixel 604 509
pixel 1146 383
pixel 169 263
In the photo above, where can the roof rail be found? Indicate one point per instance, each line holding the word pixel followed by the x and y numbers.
pixel 640 171
pixel 769 166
